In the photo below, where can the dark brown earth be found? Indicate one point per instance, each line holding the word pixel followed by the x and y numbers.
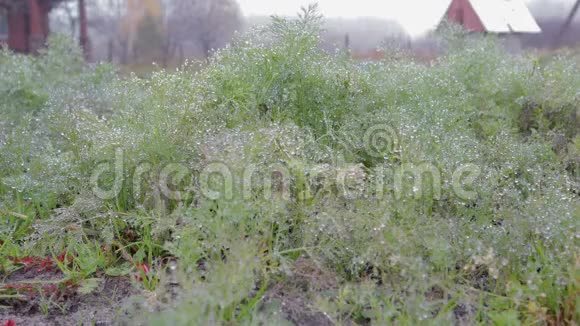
pixel 66 305
pixel 108 303
pixel 295 293
pixel 56 302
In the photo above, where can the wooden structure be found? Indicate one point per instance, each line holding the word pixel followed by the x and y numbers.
pixel 24 24
pixel 492 16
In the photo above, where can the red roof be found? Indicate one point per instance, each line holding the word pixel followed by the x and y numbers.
pixel 495 16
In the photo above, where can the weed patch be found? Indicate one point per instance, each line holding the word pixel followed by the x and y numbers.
pixel 281 183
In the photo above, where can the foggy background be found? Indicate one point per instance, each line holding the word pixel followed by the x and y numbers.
pixel 170 31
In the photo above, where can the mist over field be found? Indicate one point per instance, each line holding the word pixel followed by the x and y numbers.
pixel 388 23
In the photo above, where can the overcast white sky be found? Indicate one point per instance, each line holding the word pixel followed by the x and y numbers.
pixel 417 16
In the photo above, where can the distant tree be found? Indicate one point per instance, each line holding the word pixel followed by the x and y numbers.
pixel 122 30
pixel 143 23
pixel 208 24
pixel 104 22
pixel 149 39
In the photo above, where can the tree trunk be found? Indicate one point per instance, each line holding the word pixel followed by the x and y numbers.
pixel 110 49
pixel 83 33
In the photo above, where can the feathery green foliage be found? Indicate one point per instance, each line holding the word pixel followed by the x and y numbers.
pixel 387 254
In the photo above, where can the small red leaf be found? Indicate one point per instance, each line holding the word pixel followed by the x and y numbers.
pixel 143 269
